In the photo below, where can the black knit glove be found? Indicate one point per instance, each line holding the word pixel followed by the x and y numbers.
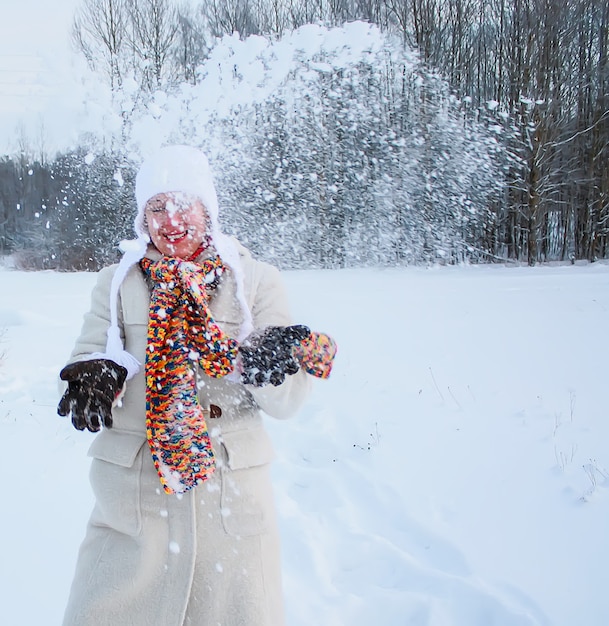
pixel 266 356
pixel 92 388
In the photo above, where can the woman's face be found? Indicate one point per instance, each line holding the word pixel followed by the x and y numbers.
pixel 177 223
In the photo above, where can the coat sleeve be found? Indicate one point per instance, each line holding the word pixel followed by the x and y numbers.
pixel 93 334
pixel 270 308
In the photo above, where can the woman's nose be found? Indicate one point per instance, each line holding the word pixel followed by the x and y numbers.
pixel 173 218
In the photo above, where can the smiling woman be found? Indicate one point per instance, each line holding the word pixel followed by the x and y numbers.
pixel 195 336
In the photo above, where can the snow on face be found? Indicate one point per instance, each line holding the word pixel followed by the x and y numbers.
pixel 177 223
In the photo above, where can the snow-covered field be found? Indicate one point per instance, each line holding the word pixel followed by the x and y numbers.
pixel 453 471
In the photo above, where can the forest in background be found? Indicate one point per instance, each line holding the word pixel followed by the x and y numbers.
pixel 462 131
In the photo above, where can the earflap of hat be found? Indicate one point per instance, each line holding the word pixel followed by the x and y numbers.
pixel 133 251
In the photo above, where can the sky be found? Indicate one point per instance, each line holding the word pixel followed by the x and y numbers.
pixel 452 471
pixel 34 57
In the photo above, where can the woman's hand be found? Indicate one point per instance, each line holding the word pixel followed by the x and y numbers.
pixel 93 387
pixel 266 356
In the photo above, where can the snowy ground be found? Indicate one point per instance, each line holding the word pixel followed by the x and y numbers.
pixel 453 471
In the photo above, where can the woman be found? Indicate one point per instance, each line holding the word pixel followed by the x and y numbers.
pixel 187 340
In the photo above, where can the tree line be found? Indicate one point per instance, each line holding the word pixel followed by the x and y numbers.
pixel 495 146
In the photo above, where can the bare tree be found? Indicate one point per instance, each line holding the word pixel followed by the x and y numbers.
pixel 537 71
pixel 154 26
pixel 99 31
pixel 225 17
pixel 191 47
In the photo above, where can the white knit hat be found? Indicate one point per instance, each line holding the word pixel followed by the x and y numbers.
pixel 171 169
pixel 175 168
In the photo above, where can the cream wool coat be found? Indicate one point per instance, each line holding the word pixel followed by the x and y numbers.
pixel 209 557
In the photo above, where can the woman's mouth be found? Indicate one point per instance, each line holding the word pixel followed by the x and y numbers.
pixel 176 237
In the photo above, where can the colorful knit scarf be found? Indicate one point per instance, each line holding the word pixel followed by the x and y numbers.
pixel 181 336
